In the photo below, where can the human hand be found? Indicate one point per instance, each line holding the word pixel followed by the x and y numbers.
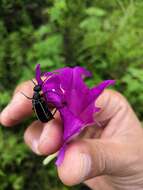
pixel 107 157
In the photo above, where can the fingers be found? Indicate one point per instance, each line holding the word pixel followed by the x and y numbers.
pixel 41 138
pixel 44 139
pixel 19 107
pixel 91 158
pixel 110 154
pixel 117 116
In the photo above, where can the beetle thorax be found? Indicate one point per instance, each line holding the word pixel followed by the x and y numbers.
pixel 36 96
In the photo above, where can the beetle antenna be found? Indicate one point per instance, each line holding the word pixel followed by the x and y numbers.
pixel 26 96
pixel 33 82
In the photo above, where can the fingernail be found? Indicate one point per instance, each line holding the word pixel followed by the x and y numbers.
pixel 85 166
pixel 35 147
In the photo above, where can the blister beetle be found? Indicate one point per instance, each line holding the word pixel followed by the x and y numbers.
pixel 39 104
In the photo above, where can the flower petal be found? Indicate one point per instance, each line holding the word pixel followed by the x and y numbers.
pixel 72 77
pixel 38 74
pixel 55 99
pixel 61 155
pixel 66 90
pixel 97 90
pixel 87 114
pixel 72 124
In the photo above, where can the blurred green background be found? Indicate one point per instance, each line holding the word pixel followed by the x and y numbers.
pixel 104 36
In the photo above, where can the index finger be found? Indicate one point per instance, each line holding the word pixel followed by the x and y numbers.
pixel 19 107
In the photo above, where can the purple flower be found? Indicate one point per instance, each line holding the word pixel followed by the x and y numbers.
pixel 66 90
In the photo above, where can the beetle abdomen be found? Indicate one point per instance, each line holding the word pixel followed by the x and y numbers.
pixel 42 112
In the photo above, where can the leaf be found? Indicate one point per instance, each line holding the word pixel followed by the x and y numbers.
pixel 95 11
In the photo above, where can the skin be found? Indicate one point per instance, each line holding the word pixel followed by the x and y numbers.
pixel 105 158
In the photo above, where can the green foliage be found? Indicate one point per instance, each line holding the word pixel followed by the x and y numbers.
pixel 21 169
pixel 103 36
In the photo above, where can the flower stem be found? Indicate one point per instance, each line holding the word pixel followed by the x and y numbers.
pixel 48 159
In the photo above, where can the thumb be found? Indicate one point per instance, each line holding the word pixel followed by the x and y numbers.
pixel 90 158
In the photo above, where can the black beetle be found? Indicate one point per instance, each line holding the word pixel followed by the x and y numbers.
pixel 40 106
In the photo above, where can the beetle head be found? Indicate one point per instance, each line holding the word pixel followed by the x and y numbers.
pixel 37 88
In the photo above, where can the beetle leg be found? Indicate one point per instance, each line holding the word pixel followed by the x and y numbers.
pixel 54 112
pixel 26 96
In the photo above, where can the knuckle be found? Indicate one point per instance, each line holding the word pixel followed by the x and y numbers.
pixel 98 155
pixel 99 158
